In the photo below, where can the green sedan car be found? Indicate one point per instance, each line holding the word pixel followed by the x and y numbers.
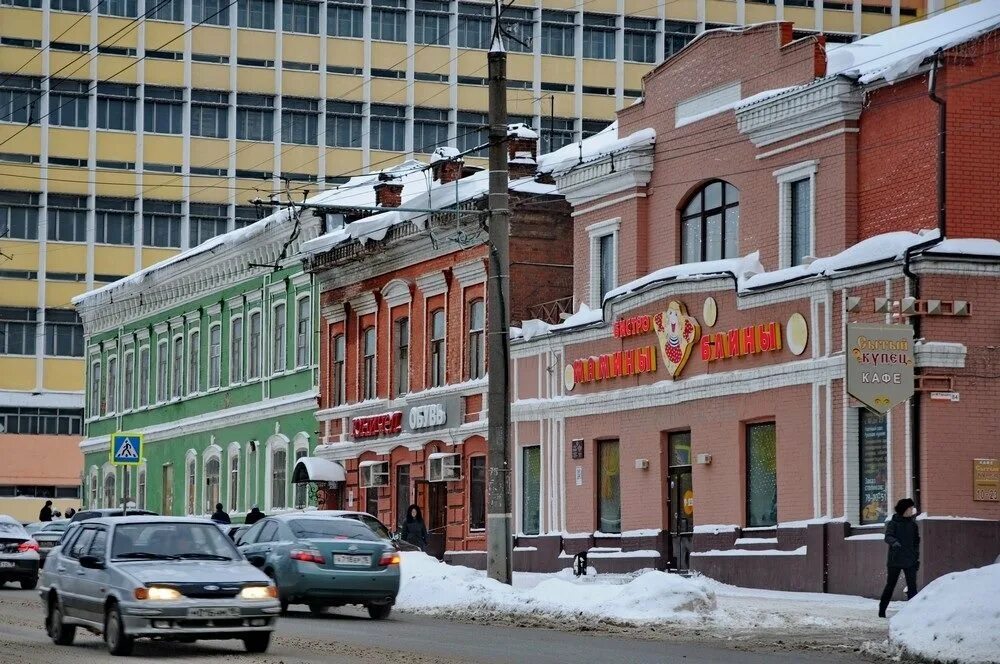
pixel 325 561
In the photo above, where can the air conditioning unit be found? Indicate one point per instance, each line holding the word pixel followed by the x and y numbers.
pixel 374 473
pixel 443 467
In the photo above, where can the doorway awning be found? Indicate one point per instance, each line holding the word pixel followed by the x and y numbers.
pixel 314 469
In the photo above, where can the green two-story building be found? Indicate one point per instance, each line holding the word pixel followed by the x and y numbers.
pixel 211 355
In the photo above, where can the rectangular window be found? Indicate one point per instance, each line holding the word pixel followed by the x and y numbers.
pixel 124 8
pixel 234 479
pixel 161 224
pixel 236 350
pixel 557 132
pixel 177 380
pixel 606 249
pixel 337 375
pixel 255 14
pixel 116 106
pixel 477 493
pixel 762 475
pixel 254 117
pixel 531 489
pixel 475 25
pixel 401 358
pixel 599 36
pixel 557 32
pixel 163 110
pixel 437 348
pixel 215 356
pixel 279 324
pixel 344 19
pixel 253 347
pixel 519 23
pixel 472 132
pixel 368 377
pixel 63 333
pixel 343 124
pixel 800 218
pixel 371 500
pixel 299 120
pixel 18 331
pixel 166 10
pixel 303 332
pixel 247 214
pixel 477 339
pixel 640 39
pixel 194 362
pixel 19 99
pixel 609 489
pixel 677 35
pixel 279 463
pixel 67 218
pixel 68 102
pixel 143 397
pixel 430 129
pixel 389 20
pixel 114 220
pixel 402 493
pixel 298 16
pixel 873 436
pixel 388 128
pixel 162 367
pixel 18 210
pixel 210 12
pixel 128 380
pixel 430 22
pixel 208 220
pixel 95 388
pixel 301 495
pixel 112 384
pixel 209 114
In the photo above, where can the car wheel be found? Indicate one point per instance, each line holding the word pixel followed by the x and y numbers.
pixel 119 643
pixel 282 600
pixel 258 642
pixel 60 633
pixel 318 609
pixel 379 611
pixel 29 584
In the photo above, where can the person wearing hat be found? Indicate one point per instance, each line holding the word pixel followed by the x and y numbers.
pixel 903 538
pixel 254 515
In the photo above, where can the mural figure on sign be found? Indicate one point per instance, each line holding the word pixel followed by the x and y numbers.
pixel 677 333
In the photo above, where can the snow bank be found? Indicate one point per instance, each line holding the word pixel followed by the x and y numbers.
pixel 955 618
pixel 432 587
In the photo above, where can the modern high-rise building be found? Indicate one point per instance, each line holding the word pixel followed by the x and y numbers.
pixel 131 129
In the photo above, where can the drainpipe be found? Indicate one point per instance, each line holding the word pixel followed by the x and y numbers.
pixel 942 223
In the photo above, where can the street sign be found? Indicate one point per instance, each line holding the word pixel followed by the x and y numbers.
pixel 879 364
pixel 126 449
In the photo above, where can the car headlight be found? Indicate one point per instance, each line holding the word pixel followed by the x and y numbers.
pixel 259 592
pixel 157 593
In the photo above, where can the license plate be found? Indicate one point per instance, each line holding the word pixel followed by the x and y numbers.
pixel 214 612
pixel 7 563
pixel 356 561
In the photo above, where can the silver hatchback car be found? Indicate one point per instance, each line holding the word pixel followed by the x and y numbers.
pixel 169 578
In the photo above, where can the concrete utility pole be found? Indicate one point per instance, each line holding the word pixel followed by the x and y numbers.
pixel 499 540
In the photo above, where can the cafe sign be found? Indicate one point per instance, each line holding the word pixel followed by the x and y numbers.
pixel 879 364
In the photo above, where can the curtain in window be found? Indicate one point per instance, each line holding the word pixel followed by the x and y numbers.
pixel 762 475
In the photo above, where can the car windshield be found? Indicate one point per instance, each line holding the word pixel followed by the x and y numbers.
pixel 55 527
pixel 377 527
pixel 331 529
pixel 9 529
pixel 171 541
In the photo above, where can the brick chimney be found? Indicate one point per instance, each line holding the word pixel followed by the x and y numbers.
pixel 389 194
pixel 447 164
pixel 522 151
pixel 521 166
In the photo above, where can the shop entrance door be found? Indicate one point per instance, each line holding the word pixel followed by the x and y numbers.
pixel 680 497
pixel 436 518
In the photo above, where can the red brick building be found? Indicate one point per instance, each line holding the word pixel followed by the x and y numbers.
pixel 402 334
pixel 699 416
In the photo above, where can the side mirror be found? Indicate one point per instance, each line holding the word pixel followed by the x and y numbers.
pixel 91 562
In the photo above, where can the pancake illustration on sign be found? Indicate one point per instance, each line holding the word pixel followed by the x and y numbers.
pixel 678 332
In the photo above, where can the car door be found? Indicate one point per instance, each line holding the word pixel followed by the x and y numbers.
pixel 92 584
pixel 253 546
pixel 69 571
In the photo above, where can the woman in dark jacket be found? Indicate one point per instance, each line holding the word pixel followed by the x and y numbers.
pixel 413 530
pixel 903 538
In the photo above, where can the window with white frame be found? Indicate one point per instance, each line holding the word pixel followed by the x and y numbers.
pixel 212 494
pixel 95 388
pixel 162 364
pixel 194 361
pixel 437 352
pixel 109 490
pixel 337 375
pixel 215 356
pixel 143 387
pixel 710 223
pixel 401 357
pixel 796 212
pixel 368 373
pixel 236 349
pixel 178 367
pixel 234 478
pixel 603 259
pixel 279 343
pixel 128 380
pixel 279 472
pixel 112 384
pixel 303 331
pixel 477 338
pixel 93 490
pixel 191 484
pixel 253 347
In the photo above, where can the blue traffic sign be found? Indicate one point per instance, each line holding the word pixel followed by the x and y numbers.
pixel 126 448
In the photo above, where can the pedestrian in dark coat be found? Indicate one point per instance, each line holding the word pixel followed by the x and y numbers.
pixel 413 530
pixel 220 515
pixel 903 538
pixel 254 515
pixel 45 514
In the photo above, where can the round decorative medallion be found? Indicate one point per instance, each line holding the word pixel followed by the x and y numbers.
pixel 569 380
pixel 796 334
pixel 710 312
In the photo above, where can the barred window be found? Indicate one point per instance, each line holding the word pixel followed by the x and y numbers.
pixel 557 32
pixel 114 220
pixel 299 120
pixel 210 12
pixel 389 20
pixel 345 19
pixel 207 221
pixel 209 113
pixel 388 127
pixel 254 117
pixel 19 99
pixel 17 331
pixel 19 215
pixel 343 124
pixel 430 22
pixel 67 218
pixel 68 101
pixel 161 224
pixel 475 25
pixel 299 16
pixel 163 110
pixel 640 39
pixel 168 10
pixel 430 129
pixel 116 106
pixel 255 14
pixel 599 36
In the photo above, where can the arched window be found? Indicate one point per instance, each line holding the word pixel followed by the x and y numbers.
pixel 93 490
pixel 300 489
pixel 279 464
pixel 109 490
pixel 710 223
pixel 211 484
pixel 192 485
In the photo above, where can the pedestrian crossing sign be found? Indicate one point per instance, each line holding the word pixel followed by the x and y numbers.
pixel 126 449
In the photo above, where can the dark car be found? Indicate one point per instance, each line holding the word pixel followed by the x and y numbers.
pixel 83 515
pixel 235 531
pixel 18 554
pixel 49 536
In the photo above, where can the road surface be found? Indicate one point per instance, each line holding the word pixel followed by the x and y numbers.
pixel 345 636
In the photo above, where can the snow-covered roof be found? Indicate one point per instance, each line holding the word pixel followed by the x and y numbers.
pixel 898 52
pixel 603 143
pixel 444 153
pixel 359 191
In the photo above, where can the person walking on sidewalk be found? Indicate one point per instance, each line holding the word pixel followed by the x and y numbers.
pixel 414 531
pixel 903 538
pixel 220 515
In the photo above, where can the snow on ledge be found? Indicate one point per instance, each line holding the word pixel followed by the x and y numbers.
pixel 967 247
pixel 642 553
pixel 756 540
pixel 715 529
pixel 642 532
pixel 801 551
pixel 867 536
